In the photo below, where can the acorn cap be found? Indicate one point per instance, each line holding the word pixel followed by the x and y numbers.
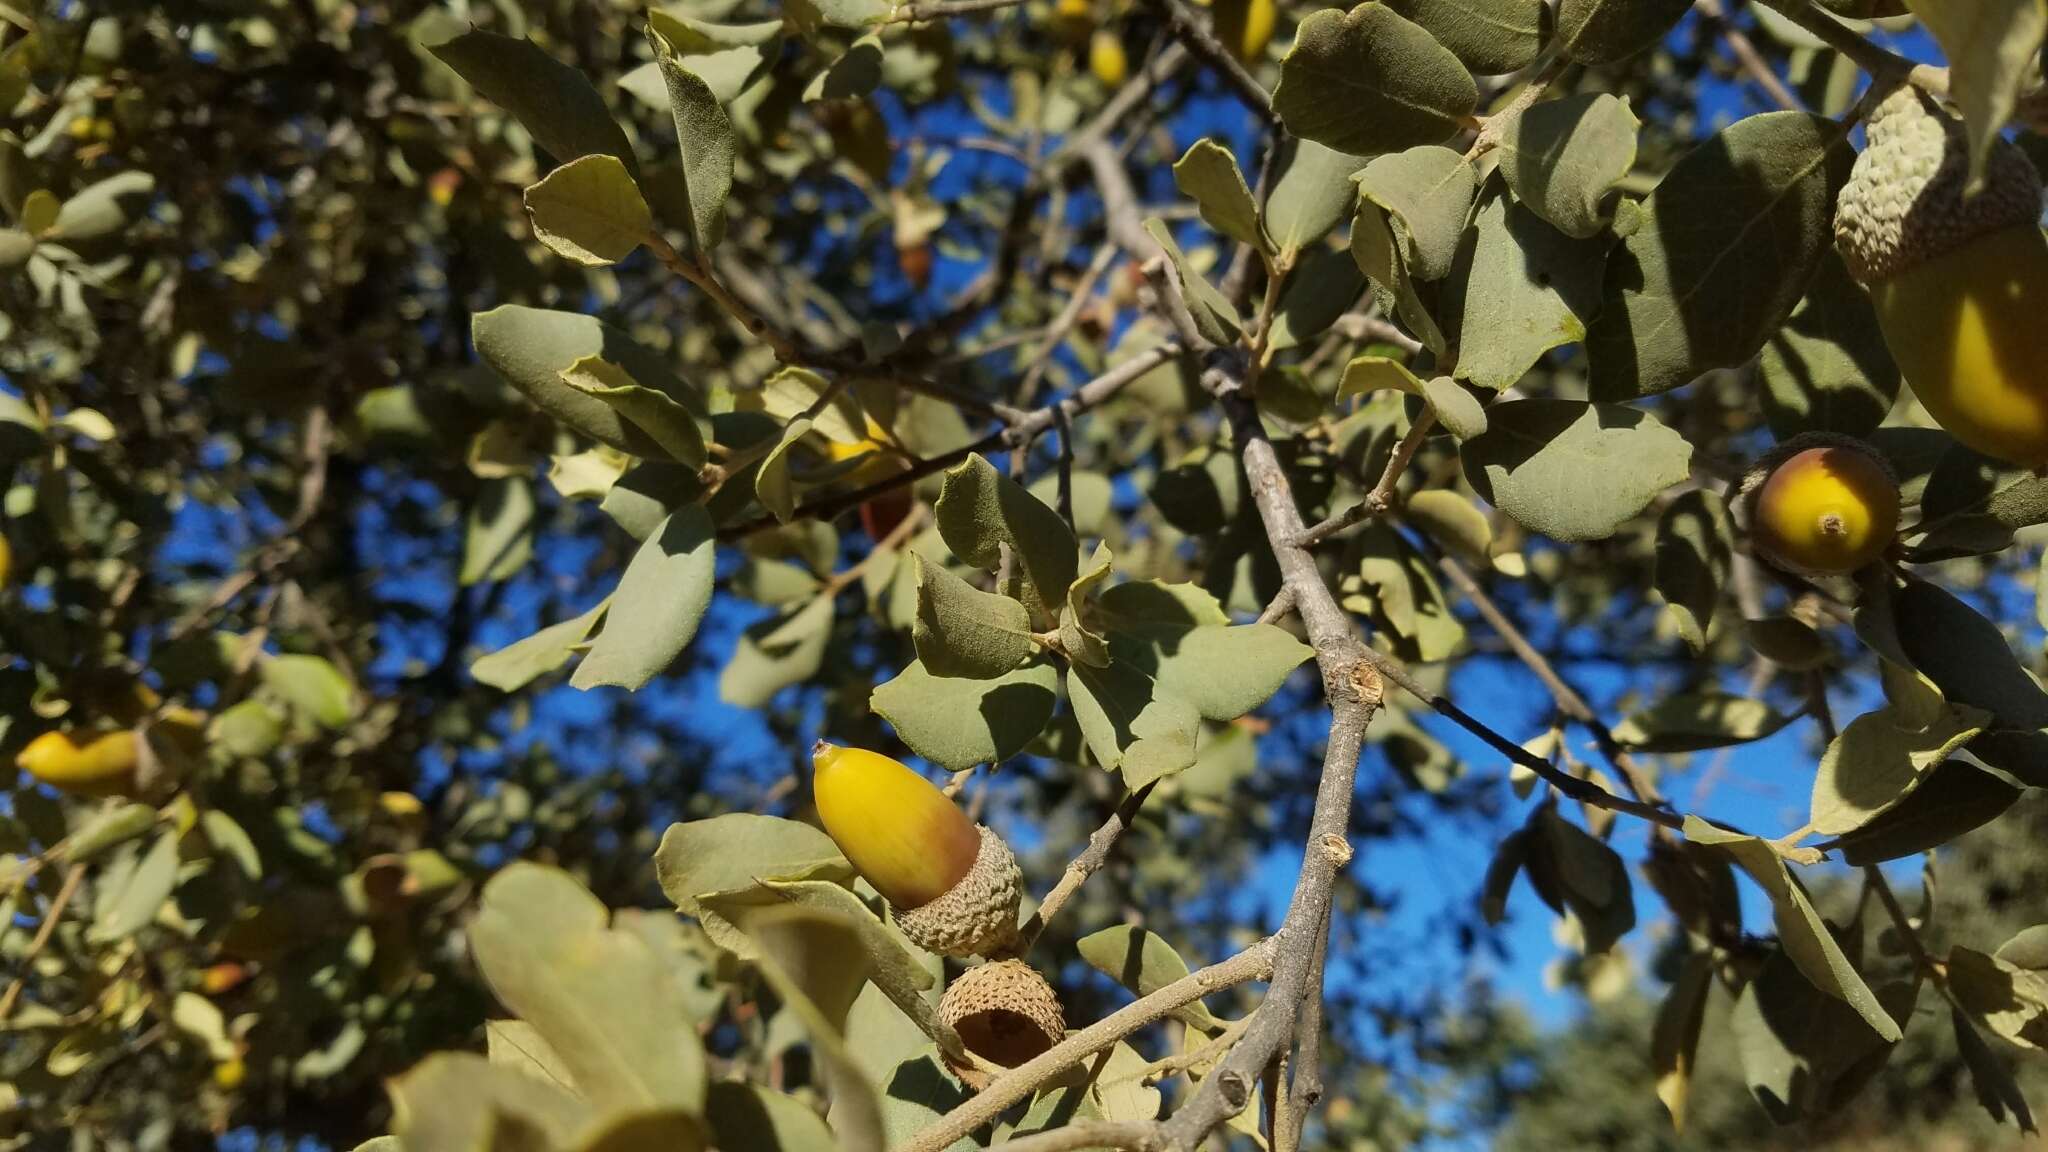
pixel 978 914
pixel 1005 1013
pixel 1905 203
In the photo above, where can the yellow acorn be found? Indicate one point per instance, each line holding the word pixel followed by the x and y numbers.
pixel 229 1074
pixel 955 887
pixel 1821 505
pixel 1005 1013
pixel 1106 58
pixel 6 560
pixel 103 765
pixel 1959 281
pixel 1246 27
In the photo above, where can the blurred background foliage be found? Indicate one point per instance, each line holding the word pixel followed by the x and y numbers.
pixel 256 475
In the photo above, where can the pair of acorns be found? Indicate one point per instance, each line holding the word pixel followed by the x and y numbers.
pixel 1958 277
pixel 955 888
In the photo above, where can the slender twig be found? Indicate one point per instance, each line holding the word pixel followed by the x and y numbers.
pixel 941 9
pixel 1056 332
pixel 44 932
pixel 1137 1134
pixel 1573 787
pixel 700 274
pixel 1911 935
pixel 1254 963
pixel 1746 54
pixel 1381 497
pixel 1089 862
pixel 1567 698
pixel 1022 431
pixel 1191 31
pixel 1886 68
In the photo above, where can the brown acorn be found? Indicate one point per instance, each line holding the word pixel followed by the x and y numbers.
pixel 955 887
pixel 1005 1013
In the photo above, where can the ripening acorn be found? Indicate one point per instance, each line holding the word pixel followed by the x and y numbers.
pixel 1003 1012
pixel 1959 281
pixel 1106 58
pixel 1246 27
pixel 102 765
pixel 1821 505
pixel 955 886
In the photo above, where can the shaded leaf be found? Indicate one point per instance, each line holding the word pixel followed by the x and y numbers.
pixel 1826 369
pixel 706 136
pixel 531 347
pixel 1724 250
pixel 1213 313
pixel 1312 193
pixel 1878 760
pixel 1520 288
pixel 1562 158
pixel 1427 192
pixel 1695 546
pixel 980 511
pixel 1491 37
pixel 1805 938
pixel 1143 962
pixel 1369 81
pixel 1991 47
pixel 1573 471
pixel 553 101
pixel 589 211
pixel 1955 798
pixel 1603 31
pixel 963 631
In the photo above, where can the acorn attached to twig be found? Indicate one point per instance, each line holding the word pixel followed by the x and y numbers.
pixel 955 886
pixel 1959 278
pixel 1821 504
pixel 1005 1013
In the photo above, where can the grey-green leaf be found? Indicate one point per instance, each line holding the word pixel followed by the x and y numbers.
pixel 962 631
pixel 1491 37
pixel 1725 248
pixel 531 347
pixel 957 723
pixel 519 663
pixel 657 607
pixel 776 653
pixel 1878 760
pixel 1369 81
pixel 738 850
pixel 598 997
pixel 1143 962
pixel 980 511
pixel 705 133
pixel 1312 193
pixel 1208 174
pixel 1804 936
pixel 1603 31
pixel 1570 470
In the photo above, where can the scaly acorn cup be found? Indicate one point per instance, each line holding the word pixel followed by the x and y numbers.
pixel 1005 1013
pixel 1821 505
pixel 955 887
pixel 1959 283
